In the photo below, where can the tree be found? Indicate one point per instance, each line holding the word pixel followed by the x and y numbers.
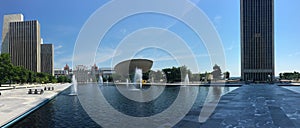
pixel 217 73
pixel 52 79
pixel 280 76
pixel 16 74
pixel 146 75
pixel 176 74
pixel 226 75
pixel 5 68
pixel 24 74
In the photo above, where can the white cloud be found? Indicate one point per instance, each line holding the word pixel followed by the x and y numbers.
pixel 56 53
pixel 294 54
pixel 58 47
pixel 217 20
pixel 231 46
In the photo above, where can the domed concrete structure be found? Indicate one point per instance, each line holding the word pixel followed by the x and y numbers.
pixel 128 67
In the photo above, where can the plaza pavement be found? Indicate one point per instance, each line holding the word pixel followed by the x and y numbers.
pixel 249 106
pixel 16 102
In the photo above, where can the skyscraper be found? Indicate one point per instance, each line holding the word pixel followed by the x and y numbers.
pixel 257 40
pixel 47 58
pixel 25 44
pixel 5 29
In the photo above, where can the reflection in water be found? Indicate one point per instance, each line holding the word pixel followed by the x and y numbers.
pixel 211 102
pixel 66 111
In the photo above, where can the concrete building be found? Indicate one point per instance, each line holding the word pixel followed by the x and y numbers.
pixel 25 44
pixel 106 72
pixel 59 72
pixel 5 29
pixel 47 58
pixel 257 40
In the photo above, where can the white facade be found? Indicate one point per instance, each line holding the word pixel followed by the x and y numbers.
pixel 5 36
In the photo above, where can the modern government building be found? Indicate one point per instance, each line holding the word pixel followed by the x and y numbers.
pixel 22 40
pixel 257 40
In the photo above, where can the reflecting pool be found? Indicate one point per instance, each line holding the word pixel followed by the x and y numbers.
pixel 69 111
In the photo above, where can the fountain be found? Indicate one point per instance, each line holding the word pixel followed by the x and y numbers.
pixel 127 83
pixel 100 81
pixel 138 77
pixel 186 80
pixel 74 86
pixel 152 80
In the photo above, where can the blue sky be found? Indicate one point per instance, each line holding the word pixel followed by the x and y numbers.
pixel 61 23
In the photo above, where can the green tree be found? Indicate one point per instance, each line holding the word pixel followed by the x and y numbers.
pixel 280 76
pixel 176 74
pixel 110 78
pixel 226 75
pixel 52 79
pixel 16 74
pixel 146 75
pixel 60 79
pixel 24 74
pixel 5 68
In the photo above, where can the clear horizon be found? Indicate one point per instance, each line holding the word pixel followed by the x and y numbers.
pixel 61 23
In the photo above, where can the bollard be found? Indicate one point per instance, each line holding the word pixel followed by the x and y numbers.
pixel 30 91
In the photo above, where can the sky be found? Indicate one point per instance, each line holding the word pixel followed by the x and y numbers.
pixel 62 22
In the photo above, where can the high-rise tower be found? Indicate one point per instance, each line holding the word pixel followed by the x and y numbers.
pixel 47 58
pixel 5 29
pixel 25 44
pixel 257 40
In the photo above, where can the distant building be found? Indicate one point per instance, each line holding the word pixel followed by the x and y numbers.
pixel 82 74
pixel 257 40
pixel 47 58
pixel 5 29
pixel 106 72
pixel 67 69
pixel 59 72
pixel 25 44
pixel 22 40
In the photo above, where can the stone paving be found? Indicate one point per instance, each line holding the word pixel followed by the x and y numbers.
pixel 251 106
pixel 15 102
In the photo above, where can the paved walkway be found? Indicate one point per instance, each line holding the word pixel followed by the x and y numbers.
pixel 252 106
pixel 16 102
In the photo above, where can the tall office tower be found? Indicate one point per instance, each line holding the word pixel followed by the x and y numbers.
pixel 47 58
pixel 25 44
pixel 257 40
pixel 5 36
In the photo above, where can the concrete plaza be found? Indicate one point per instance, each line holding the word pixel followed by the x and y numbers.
pixel 16 102
pixel 250 106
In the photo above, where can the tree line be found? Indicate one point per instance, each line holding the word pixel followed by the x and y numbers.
pixel 290 75
pixel 10 74
pixel 176 74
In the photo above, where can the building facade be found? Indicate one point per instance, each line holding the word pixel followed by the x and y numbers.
pixel 5 29
pixel 47 58
pixel 25 44
pixel 257 40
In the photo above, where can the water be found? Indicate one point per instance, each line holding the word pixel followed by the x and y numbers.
pixel 186 80
pixel 127 83
pixel 138 77
pixel 100 80
pixel 66 111
pixel 74 86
